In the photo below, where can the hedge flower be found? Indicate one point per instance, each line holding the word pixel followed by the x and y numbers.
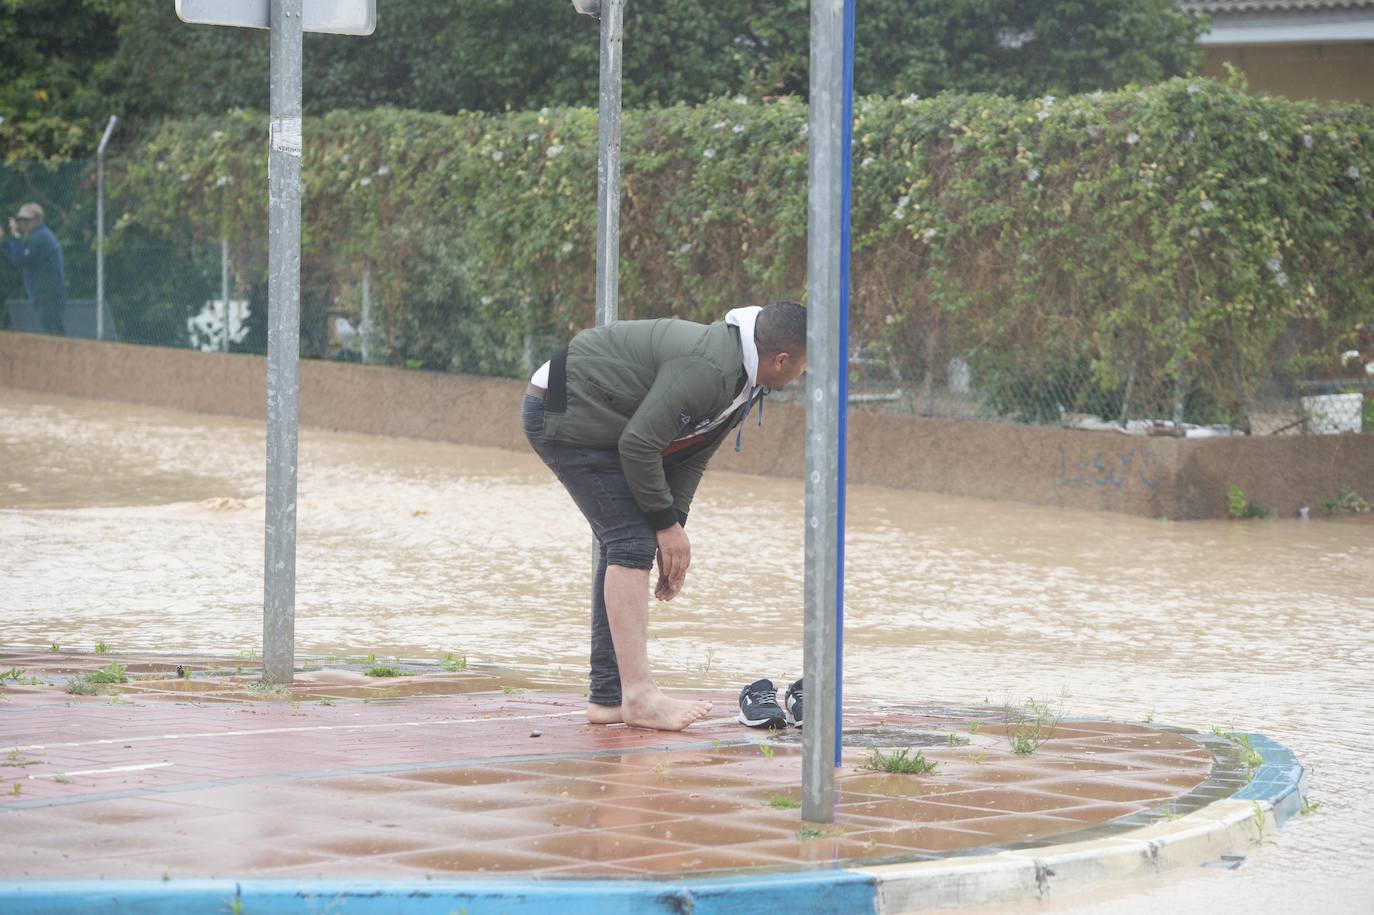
pixel 1132 138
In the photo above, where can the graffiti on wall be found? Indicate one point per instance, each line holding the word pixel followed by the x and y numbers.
pixel 1137 465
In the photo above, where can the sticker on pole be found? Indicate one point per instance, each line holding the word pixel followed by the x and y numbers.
pixel 286 135
pixel 338 17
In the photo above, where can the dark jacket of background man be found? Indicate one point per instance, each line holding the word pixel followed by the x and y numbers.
pixel 39 256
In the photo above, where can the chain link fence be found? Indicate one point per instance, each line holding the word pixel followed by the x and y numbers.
pixel 212 296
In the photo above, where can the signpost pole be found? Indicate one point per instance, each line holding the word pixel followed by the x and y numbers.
pixel 826 366
pixel 283 342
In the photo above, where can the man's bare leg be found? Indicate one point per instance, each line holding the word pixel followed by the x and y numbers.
pixel 643 703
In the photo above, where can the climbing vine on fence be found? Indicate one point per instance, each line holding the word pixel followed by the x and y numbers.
pixel 1178 238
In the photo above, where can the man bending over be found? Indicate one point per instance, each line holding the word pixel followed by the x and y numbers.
pixel 627 417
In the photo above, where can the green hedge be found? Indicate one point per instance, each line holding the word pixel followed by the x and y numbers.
pixel 1180 242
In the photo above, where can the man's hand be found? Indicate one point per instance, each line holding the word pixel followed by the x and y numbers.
pixel 674 556
pixel 14 227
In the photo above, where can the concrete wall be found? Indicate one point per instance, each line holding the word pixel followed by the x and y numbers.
pixel 1153 477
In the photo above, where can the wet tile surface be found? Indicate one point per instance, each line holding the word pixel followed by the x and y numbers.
pixel 439 774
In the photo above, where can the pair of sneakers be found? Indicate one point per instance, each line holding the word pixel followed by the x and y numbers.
pixel 759 708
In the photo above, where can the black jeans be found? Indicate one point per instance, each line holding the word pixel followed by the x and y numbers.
pixel 596 482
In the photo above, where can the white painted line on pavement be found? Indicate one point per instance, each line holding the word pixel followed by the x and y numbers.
pixel 294 730
pixel 136 768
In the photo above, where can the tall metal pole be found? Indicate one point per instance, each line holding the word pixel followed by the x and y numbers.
pixel 224 286
pixel 841 435
pixel 100 229
pixel 825 367
pixel 608 165
pixel 283 341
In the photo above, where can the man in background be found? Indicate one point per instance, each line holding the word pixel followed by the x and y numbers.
pixel 36 252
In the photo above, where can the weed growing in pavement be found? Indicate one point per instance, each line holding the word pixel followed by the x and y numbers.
pixel 326 701
pixel 1249 756
pixel 900 763
pixel 975 726
pixel 102 647
pixel 53 648
pixel 508 690
pixel 453 663
pixel 382 670
pixel 956 741
pixel 265 687
pixel 80 686
pixel 1031 726
pixel 1258 819
pixel 977 758
pixel 112 674
pixel 14 673
pixel 813 832
pixel 62 779
pixel 1309 806
pixel 783 802
pixel 14 759
pixel 766 750
pixel 15 789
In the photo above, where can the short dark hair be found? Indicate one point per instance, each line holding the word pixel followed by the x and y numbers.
pixel 780 328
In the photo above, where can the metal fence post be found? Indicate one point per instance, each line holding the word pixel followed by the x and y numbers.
pixel 224 286
pixel 283 342
pixel 365 328
pixel 100 229
pixel 826 365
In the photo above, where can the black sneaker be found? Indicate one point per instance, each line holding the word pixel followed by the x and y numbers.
pixel 793 703
pixel 758 706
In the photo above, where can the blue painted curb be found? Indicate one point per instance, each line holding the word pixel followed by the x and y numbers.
pixel 835 892
pixel 1278 780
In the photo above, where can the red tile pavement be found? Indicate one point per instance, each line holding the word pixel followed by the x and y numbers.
pixel 442 773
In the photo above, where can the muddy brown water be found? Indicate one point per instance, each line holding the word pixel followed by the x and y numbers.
pixel 143 527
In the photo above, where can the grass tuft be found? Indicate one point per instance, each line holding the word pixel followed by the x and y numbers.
pixel 900 763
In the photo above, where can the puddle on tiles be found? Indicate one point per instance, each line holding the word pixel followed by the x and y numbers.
pixel 143 527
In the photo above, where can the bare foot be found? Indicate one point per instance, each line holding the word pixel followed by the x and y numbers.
pixel 656 710
pixel 603 714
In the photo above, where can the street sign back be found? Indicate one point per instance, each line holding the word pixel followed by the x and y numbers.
pixel 339 17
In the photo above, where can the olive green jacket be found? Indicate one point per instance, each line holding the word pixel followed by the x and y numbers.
pixel 638 385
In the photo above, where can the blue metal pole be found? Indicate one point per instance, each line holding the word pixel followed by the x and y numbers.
pixel 846 178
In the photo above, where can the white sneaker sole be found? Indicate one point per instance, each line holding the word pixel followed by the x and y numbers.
pixel 762 722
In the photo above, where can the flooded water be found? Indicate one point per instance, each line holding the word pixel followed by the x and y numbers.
pixel 143 528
